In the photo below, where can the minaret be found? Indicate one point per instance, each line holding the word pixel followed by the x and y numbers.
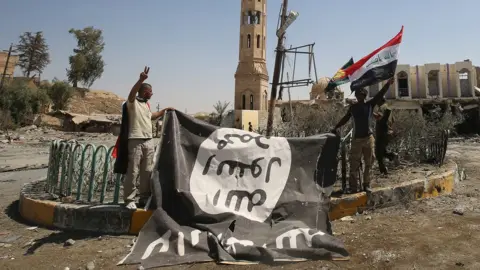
pixel 251 77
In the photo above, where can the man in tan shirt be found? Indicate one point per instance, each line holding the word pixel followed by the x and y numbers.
pixel 141 148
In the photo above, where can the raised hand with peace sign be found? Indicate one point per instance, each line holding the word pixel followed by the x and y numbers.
pixel 144 74
pixel 138 84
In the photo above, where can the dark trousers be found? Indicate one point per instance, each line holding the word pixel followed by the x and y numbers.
pixel 381 143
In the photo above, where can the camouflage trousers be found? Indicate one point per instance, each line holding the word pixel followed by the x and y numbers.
pixel 361 147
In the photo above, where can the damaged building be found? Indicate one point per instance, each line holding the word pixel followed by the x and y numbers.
pixel 436 86
pixel 103 123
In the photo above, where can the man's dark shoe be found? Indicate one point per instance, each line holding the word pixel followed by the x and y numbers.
pixel 142 202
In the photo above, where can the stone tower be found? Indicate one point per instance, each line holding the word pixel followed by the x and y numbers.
pixel 251 77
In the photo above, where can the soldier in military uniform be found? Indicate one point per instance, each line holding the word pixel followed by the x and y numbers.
pixel 383 134
pixel 363 142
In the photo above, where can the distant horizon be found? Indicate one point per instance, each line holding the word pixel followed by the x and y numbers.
pixel 345 88
pixel 192 48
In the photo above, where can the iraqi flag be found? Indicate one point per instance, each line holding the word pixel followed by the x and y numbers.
pixel 378 66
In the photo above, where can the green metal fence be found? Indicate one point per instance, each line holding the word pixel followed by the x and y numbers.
pixel 84 172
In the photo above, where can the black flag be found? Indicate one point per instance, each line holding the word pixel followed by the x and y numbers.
pixel 228 195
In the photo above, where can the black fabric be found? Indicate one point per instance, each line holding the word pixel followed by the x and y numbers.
pixel 183 228
pixel 381 152
pixel 121 162
pixel 382 137
pixel 382 124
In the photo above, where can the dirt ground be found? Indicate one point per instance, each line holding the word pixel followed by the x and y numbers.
pixel 420 235
pixel 96 101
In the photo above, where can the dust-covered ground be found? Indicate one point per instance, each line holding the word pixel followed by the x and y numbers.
pixel 28 147
pixel 420 235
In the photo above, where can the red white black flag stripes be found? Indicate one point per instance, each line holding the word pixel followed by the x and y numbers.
pixel 377 66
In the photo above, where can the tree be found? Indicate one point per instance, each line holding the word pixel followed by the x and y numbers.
pixel 217 116
pixel 60 93
pixel 33 53
pixel 86 65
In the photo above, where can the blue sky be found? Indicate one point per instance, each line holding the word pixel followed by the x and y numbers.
pixel 192 45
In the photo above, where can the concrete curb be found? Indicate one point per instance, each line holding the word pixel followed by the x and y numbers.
pixel 429 187
pixel 116 219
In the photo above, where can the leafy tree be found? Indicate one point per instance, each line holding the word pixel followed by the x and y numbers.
pixel 77 64
pixel 217 116
pixel 86 65
pixel 60 93
pixel 33 53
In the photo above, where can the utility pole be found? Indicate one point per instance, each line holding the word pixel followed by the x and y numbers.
pixel 6 66
pixel 158 106
pixel 276 72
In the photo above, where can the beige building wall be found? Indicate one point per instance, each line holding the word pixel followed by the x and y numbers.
pixel 434 80
pixel 373 89
pixel 465 79
pixel 251 76
pixel 417 82
pixel 245 117
pixel 12 63
pixel 403 82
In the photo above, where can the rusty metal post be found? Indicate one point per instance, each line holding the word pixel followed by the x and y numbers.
pixel 6 67
pixel 276 72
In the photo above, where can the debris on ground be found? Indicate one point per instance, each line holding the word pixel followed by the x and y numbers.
pixel 69 242
pixel 9 239
pixel 347 218
pixel 90 266
pixel 459 210
pixel 382 256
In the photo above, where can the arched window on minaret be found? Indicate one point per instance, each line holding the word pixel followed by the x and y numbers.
pixel 249 41
pixel 265 96
pixel 244 105
pixel 258 41
pixel 251 102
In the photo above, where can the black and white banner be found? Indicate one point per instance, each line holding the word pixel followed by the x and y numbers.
pixel 232 196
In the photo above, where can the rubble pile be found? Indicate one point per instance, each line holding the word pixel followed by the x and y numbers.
pixel 37 135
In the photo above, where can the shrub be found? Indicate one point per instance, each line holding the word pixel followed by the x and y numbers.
pixel 307 120
pixel 413 131
pixel 21 102
pixel 6 121
pixel 60 92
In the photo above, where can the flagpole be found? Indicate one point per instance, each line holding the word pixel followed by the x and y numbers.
pixel 276 71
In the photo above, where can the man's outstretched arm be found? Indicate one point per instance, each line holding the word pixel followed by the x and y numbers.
pixel 138 84
pixel 156 115
pixel 382 91
pixel 343 121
